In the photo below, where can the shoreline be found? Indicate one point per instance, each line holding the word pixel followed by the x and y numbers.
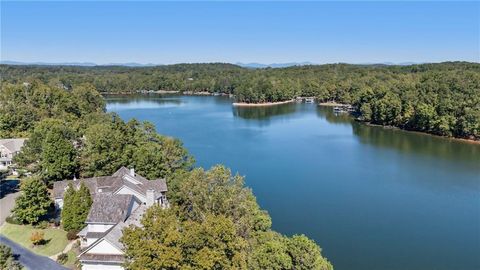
pixel 244 104
pixel 331 104
pixel 166 92
pixel 326 104
pixel 464 140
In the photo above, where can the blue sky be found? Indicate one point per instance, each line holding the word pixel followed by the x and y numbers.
pixel 264 32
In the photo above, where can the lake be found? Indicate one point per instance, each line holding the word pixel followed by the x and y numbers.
pixel 371 197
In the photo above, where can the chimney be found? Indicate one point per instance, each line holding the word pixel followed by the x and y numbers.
pixel 132 172
pixel 150 197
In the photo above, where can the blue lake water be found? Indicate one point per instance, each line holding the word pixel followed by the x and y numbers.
pixel 372 198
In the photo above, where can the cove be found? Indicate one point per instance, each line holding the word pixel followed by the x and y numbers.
pixel 371 197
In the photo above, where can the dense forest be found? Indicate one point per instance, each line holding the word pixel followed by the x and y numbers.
pixel 442 99
pixel 214 221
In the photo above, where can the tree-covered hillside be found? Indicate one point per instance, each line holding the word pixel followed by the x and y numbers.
pixel 442 99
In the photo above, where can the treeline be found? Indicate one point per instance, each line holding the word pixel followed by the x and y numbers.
pixel 214 222
pixel 442 99
pixel 70 135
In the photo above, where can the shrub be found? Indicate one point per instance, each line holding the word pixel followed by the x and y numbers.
pixel 62 258
pixel 37 238
pixel 72 235
pixel 13 220
pixel 42 225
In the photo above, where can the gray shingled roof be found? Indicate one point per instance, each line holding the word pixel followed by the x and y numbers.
pixel 88 257
pixel 112 184
pixel 114 235
pixel 109 208
pixel 106 183
pixel 13 145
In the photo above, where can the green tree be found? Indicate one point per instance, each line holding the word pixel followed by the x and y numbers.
pixel 165 242
pixel 33 202
pixel 68 209
pixel 7 260
pixel 218 192
pixel 76 205
pixel 58 157
pixel 306 254
pixel 269 253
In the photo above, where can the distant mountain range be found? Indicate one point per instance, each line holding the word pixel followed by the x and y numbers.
pixel 133 64
pixel 85 64
pixel 275 65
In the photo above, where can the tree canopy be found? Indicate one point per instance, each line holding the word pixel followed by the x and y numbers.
pixel 215 223
pixel 33 202
pixel 76 205
pixel 71 135
pixel 442 98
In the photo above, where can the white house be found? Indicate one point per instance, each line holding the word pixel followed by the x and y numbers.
pixel 118 201
pixel 8 149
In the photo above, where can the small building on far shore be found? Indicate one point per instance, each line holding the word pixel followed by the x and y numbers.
pixel 8 149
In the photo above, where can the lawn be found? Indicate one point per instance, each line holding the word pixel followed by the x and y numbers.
pixel 56 238
pixel 72 257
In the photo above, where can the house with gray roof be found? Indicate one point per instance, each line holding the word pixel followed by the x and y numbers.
pixel 8 149
pixel 119 201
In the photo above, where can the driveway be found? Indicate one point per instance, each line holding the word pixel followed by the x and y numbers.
pixel 29 259
pixel 8 193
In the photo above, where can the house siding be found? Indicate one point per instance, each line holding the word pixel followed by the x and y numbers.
pixel 128 191
pixel 99 227
pixel 104 247
pixel 101 266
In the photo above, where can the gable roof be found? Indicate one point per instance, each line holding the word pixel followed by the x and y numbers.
pixel 106 183
pixel 112 184
pixel 109 208
pixel 12 145
pixel 113 235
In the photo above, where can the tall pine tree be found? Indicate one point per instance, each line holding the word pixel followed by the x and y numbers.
pixel 34 201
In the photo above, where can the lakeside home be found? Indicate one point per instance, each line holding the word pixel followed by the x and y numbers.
pixel 119 200
pixel 8 149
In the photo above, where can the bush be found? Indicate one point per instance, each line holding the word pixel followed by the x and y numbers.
pixel 13 220
pixel 37 238
pixel 62 258
pixel 72 235
pixel 42 225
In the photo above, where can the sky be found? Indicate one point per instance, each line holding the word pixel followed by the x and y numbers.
pixel 262 32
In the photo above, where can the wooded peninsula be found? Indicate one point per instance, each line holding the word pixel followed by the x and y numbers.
pixel 441 99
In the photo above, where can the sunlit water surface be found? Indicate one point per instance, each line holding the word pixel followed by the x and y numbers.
pixel 373 198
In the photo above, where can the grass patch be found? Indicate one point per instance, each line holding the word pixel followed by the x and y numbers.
pixel 72 257
pixel 56 238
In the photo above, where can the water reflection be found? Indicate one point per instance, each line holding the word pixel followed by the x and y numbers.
pixel 416 143
pixel 117 102
pixel 264 112
pixel 326 112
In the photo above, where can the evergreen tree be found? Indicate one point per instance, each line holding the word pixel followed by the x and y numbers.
pixel 84 202
pixel 68 207
pixel 33 202
pixel 7 260
pixel 76 205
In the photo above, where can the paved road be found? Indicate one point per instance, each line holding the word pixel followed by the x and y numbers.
pixel 8 193
pixel 29 259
